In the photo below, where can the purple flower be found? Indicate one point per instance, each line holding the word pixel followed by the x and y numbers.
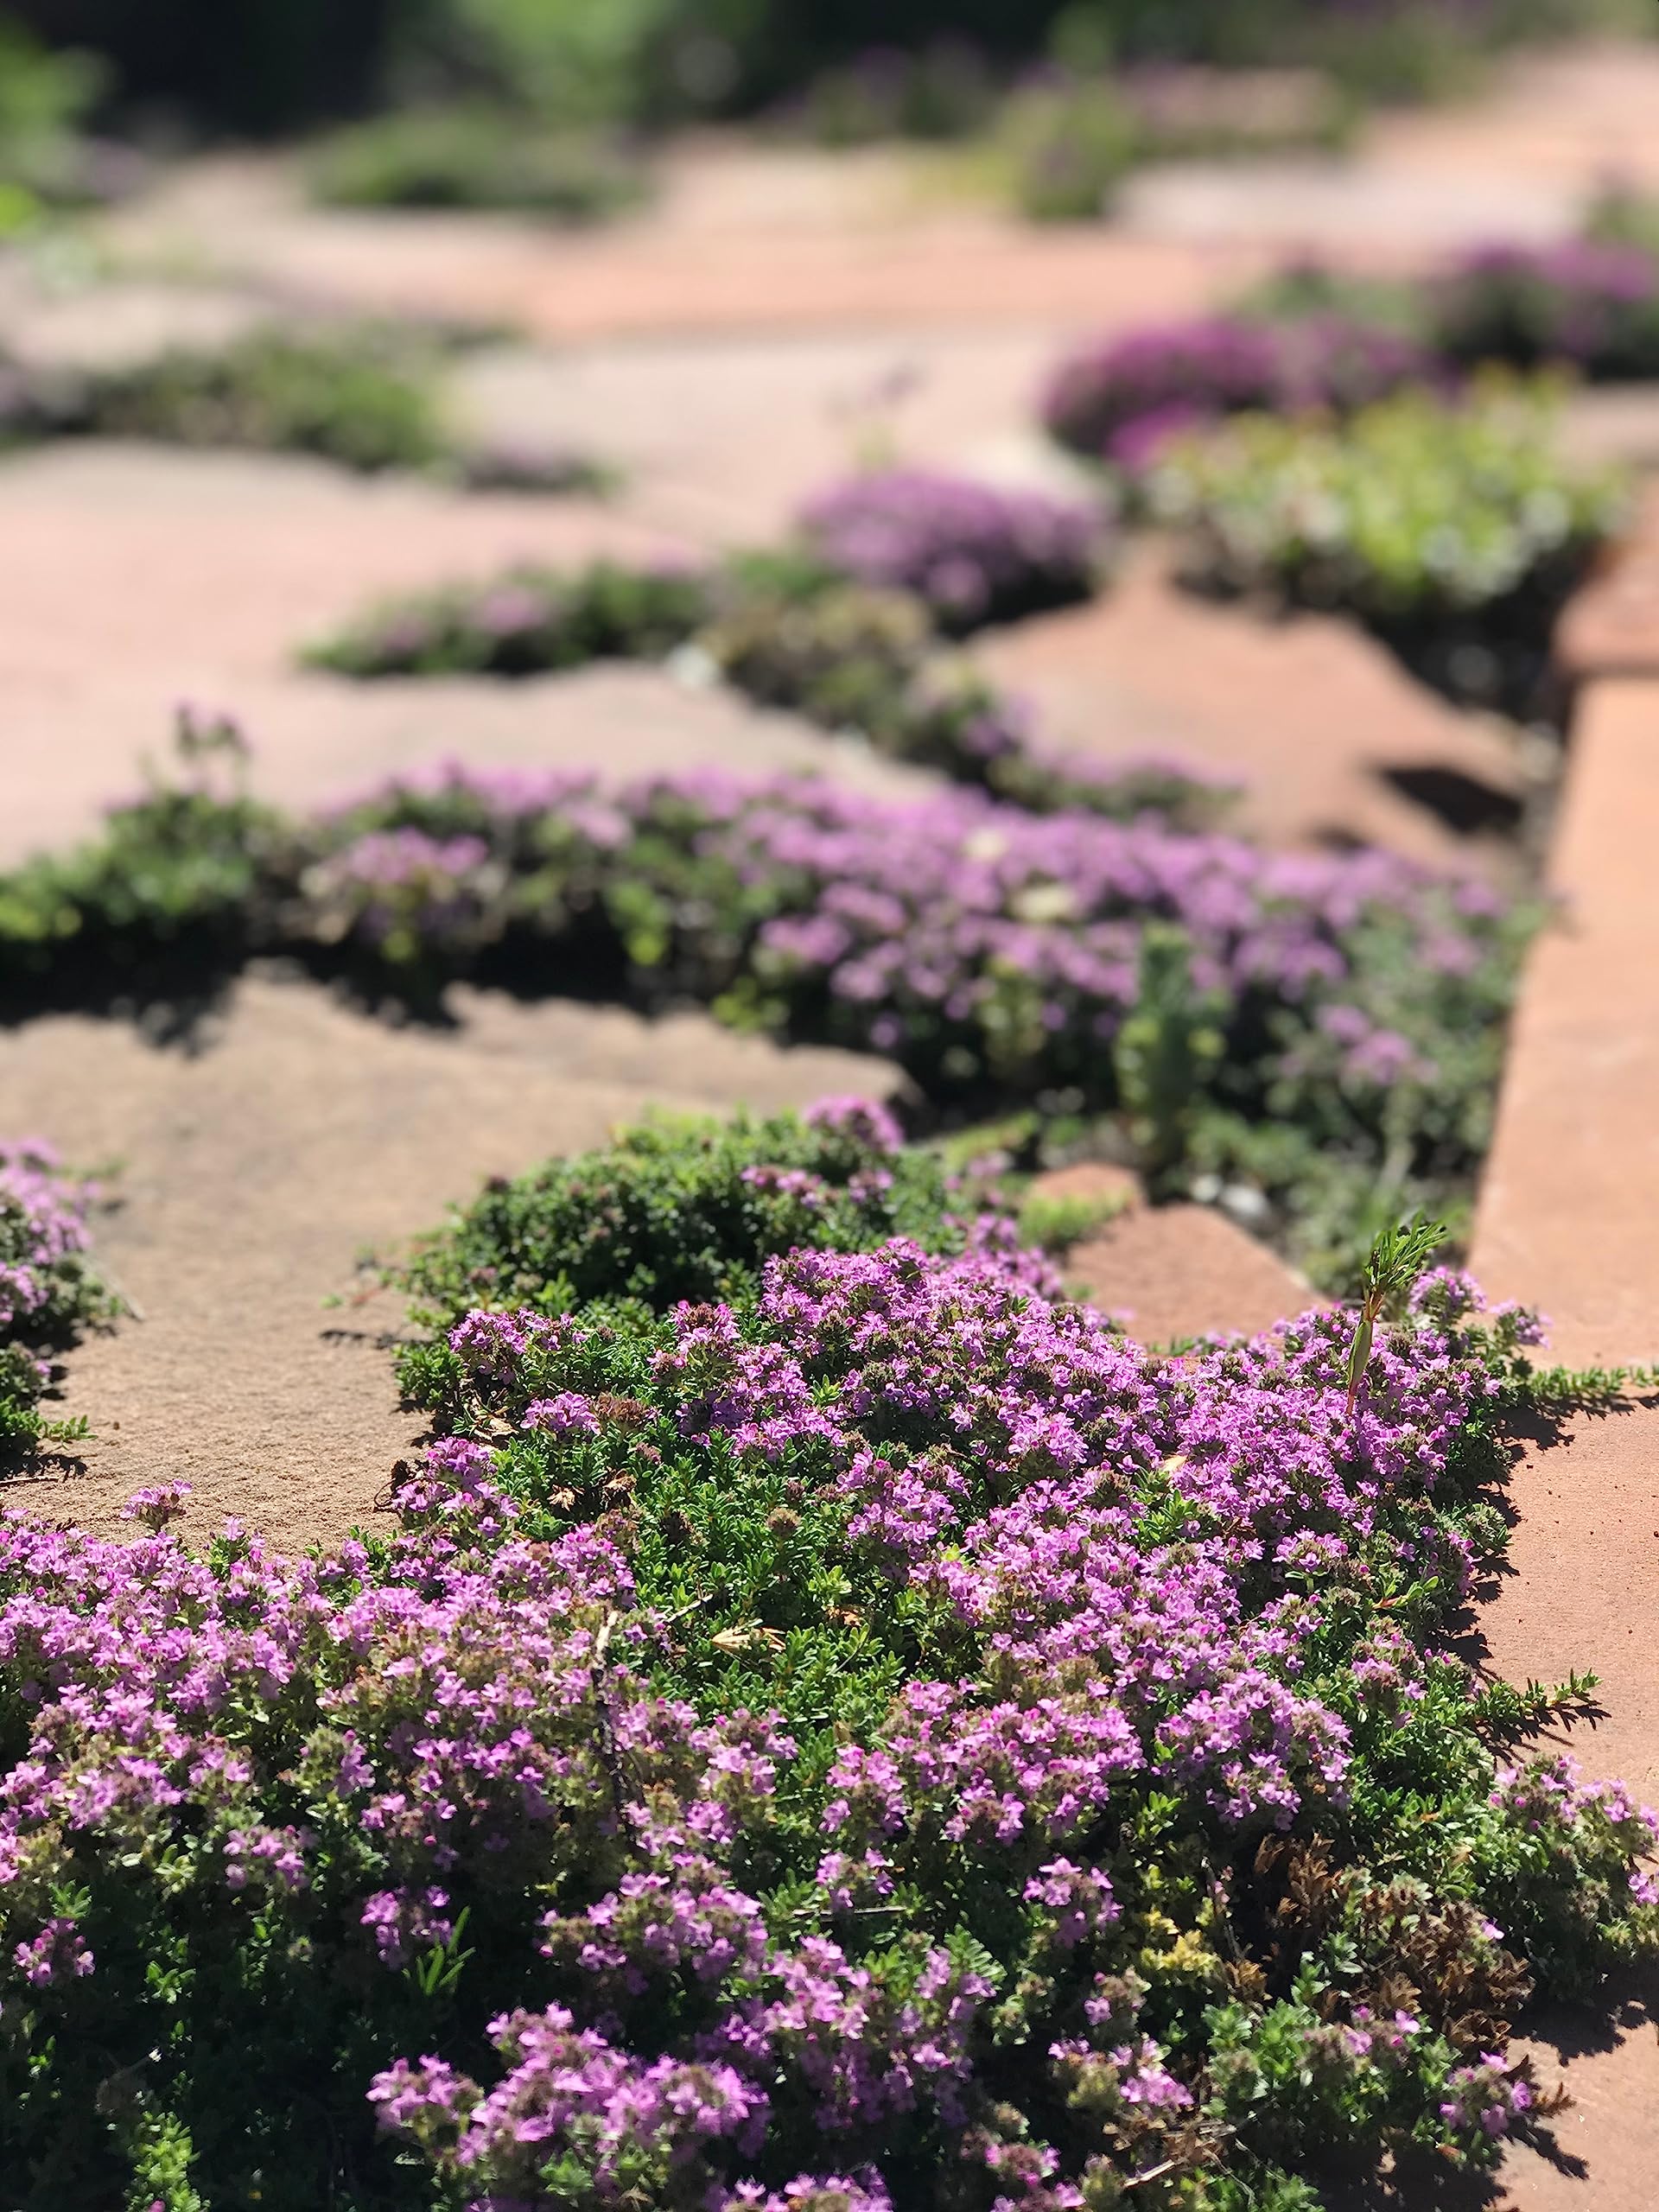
pixel 1122 397
pixel 975 553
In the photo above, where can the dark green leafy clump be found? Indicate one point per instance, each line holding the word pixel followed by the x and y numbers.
pixel 1069 145
pixel 346 395
pixel 1452 529
pixel 531 621
pixel 476 157
pixel 846 657
pixel 186 878
pixel 678 1210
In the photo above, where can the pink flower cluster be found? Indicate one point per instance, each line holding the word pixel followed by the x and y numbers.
pixel 1132 1576
pixel 44 1217
pixel 1118 398
pixel 974 552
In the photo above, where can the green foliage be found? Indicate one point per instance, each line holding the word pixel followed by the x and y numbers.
pixel 476 157
pixel 45 96
pixel 941 90
pixel 1166 1054
pixel 1068 146
pixel 1398 1255
pixel 531 622
pixel 264 65
pixel 1623 216
pixel 676 1209
pixel 181 876
pixel 581 61
pixel 845 656
pixel 1452 530
pixel 1301 289
pixel 1054 1221
pixel 346 395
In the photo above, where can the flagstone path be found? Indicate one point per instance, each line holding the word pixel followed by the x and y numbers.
pixel 780 313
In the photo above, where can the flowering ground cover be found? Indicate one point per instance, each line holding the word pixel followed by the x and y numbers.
pixel 1116 399
pixel 351 396
pixel 1314 340
pixel 845 625
pixel 956 553
pixel 1589 304
pixel 1449 529
pixel 48 1293
pixel 1586 304
pixel 1327 1029
pixel 973 553
pixel 364 396
pixel 860 1735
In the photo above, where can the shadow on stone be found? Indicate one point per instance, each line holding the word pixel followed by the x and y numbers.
pixel 1468 806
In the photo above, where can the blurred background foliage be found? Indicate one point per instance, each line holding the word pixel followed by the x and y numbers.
pixel 259 67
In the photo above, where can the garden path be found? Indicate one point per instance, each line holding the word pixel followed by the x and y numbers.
pixel 732 350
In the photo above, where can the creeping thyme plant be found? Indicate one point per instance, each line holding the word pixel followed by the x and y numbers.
pixel 837 1729
pixel 48 1293
pixel 1452 529
pixel 1343 1014
pixel 849 623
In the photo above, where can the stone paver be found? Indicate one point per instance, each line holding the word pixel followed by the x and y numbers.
pixel 1569 1219
pixel 745 239
pixel 1522 162
pixel 1331 205
pixel 724 435
pixel 1612 424
pixel 1329 734
pixel 1613 627
pixel 1178 1271
pixel 1569 1209
pixel 136 577
pixel 253 1173
pixel 777 239
pixel 1583 1592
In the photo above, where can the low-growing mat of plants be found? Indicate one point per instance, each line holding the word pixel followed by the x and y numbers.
pixel 367 396
pixel 1322 1031
pixel 835 1728
pixel 1308 467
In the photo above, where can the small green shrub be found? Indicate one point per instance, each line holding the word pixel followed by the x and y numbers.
pixel 529 621
pixel 1451 529
pixel 1165 1054
pixel 685 1208
pixel 1054 1221
pixel 183 878
pixel 524 465
pixel 1067 146
pixel 1624 216
pixel 943 90
pixel 345 396
pixel 845 657
pixel 1307 289
pixel 476 158
pixel 45 97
